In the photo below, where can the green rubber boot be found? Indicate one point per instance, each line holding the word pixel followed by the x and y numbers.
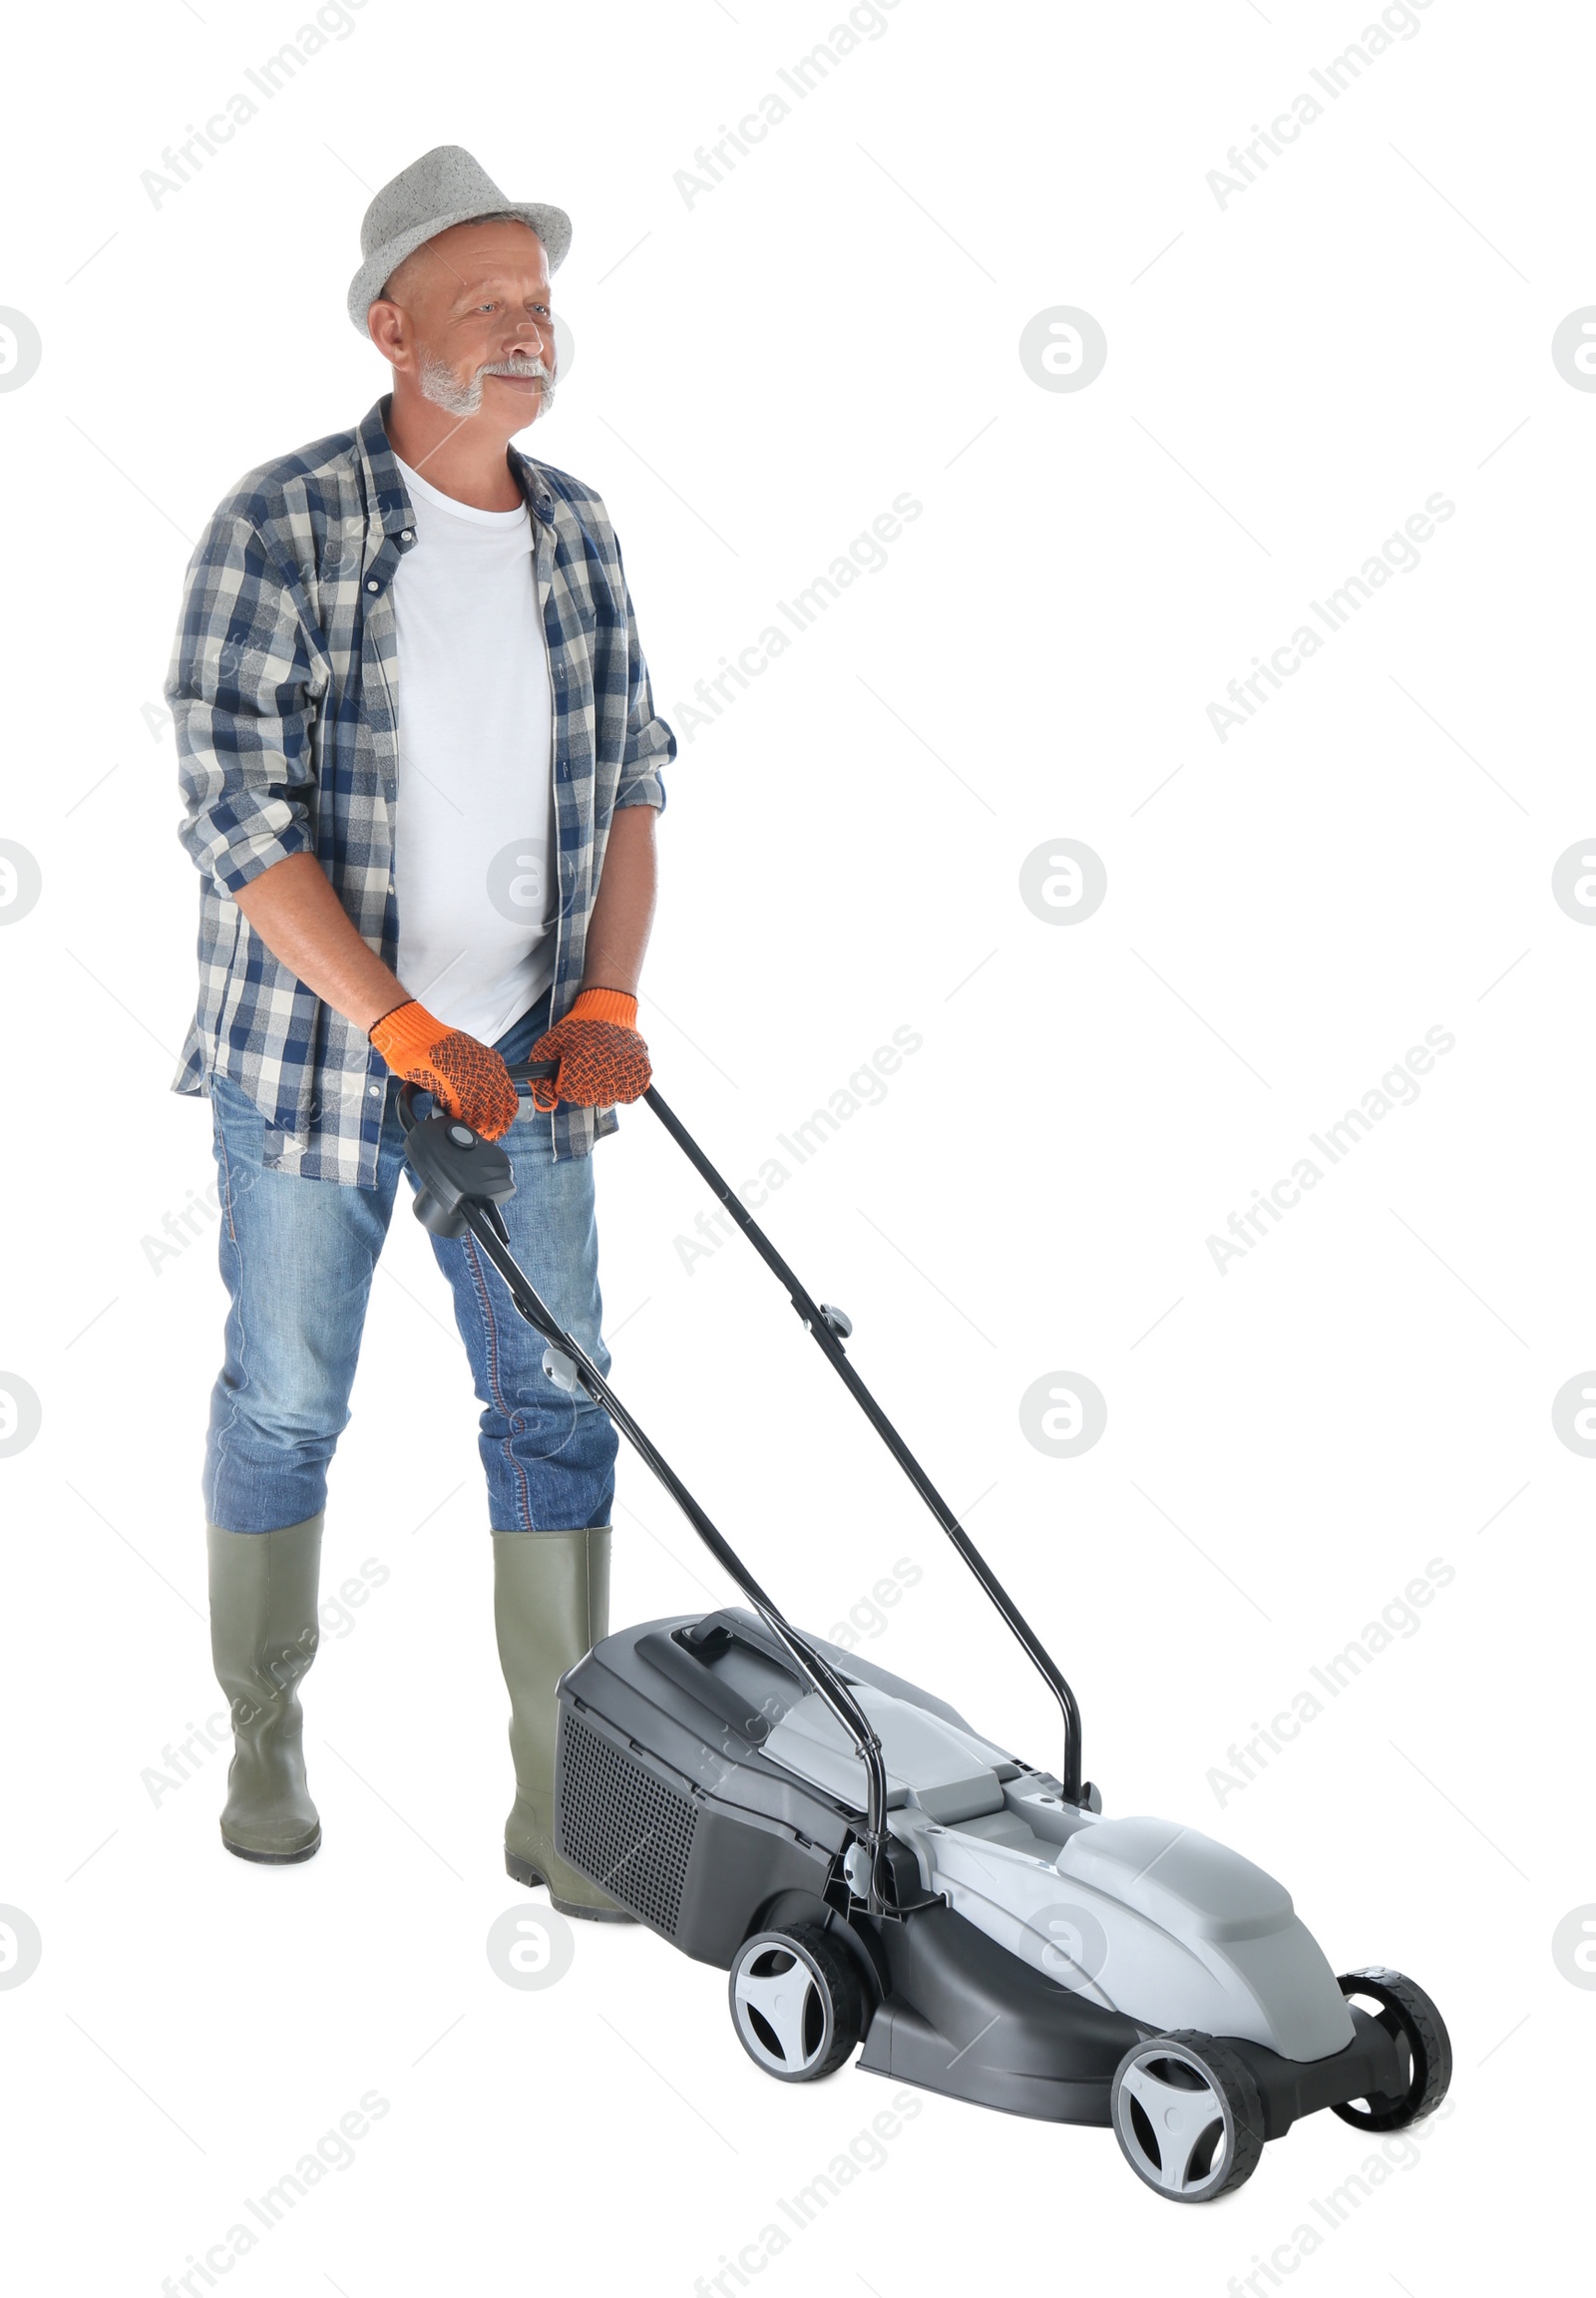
pixel 263 1637
pixel 550 1602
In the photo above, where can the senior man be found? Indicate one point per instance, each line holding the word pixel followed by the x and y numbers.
pixel 421 768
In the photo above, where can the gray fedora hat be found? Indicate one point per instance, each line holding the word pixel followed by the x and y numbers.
pixel 444 187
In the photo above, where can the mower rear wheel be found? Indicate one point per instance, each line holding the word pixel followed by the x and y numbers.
pixel 1411 2019
pixel 1187 2116
pixel 797 2002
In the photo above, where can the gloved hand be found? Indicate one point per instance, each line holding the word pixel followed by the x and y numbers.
pixel 468 1078
pixel 600 1055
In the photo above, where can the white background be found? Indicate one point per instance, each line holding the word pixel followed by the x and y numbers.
pixel 756 375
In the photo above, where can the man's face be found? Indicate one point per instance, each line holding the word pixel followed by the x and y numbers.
pixel 479 327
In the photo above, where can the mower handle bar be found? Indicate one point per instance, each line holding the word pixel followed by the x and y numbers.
pixel 487 1225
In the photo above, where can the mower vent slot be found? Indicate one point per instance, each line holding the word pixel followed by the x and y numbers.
pixel 623 1826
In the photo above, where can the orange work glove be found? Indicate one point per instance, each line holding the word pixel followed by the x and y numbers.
pixel 468 1078
pixel 600 1055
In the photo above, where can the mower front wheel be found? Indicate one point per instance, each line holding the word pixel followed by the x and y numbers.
pixel 1187 2116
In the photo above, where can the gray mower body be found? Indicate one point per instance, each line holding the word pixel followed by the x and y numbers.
pixel 704 1785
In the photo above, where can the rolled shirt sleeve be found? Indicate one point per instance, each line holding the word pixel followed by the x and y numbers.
pixel 243 691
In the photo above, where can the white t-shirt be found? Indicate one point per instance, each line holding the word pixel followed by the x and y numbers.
pixel 472 849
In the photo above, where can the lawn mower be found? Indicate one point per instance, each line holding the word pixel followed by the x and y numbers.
pixel 870 1869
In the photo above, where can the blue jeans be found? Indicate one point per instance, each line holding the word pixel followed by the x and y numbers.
pixel 297 1258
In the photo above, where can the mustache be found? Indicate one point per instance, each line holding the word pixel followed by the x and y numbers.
pixel 445 389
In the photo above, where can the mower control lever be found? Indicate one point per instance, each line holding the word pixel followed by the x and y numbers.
pixel 524 1073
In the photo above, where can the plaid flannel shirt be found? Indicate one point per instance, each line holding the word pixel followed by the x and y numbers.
pixel 282 691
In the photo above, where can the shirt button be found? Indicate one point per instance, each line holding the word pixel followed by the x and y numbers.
pixel 408 536
pixel 373 585
pixel 373 1089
